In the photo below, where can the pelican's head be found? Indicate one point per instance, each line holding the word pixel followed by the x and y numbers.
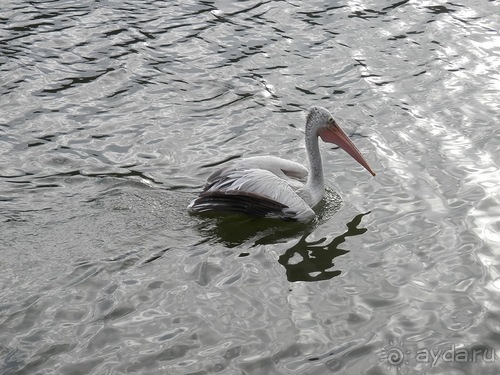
pixel 320 122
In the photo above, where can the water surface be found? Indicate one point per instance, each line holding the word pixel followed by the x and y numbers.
pixel 114 113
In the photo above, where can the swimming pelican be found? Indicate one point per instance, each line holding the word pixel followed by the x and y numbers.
pixel 269 186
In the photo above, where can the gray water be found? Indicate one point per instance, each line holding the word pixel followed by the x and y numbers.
pixel 114 113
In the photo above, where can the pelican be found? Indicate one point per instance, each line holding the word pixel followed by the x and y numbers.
pixel 269 186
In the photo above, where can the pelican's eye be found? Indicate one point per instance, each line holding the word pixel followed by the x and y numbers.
pixel 331 122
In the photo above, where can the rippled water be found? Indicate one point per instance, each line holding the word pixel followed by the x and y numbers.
pixel 114 113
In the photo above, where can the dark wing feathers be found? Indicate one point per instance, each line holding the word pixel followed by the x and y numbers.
pixel 253 191
pixel 241 202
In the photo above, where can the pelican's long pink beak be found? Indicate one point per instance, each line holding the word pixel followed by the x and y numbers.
pixel 334 134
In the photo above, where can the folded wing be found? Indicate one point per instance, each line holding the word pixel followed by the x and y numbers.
pixel 254 191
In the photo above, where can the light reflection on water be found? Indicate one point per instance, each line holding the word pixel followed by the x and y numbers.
pixel 113 115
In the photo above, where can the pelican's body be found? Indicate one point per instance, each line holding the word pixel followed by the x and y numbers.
pixel 270 186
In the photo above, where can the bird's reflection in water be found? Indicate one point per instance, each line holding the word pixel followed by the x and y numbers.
pixel 313 261
pixel 305 261
pixel 238 230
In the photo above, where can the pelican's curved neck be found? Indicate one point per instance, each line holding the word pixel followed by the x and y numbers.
pixel 315 184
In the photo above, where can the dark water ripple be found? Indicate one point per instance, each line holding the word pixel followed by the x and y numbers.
pixel 113 114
